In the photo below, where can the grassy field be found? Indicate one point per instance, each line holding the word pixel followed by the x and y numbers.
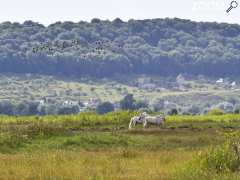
pixel 90 146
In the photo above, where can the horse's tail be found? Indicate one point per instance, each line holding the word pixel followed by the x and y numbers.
pixel 164 118
pixel 161 119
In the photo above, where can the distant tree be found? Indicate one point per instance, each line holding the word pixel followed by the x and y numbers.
pixel 141 104
pixel 33 108
pixel 80 104
pixel 127 103
pixel 6 107
pixel 237 111
pixel 68 110
pixel 186 113
pixel 157 47
pixel 92 89
pixel 233 100
pixel 105 107
pixel 173 112
pixel 42 110
pixel 22 109
pixel 194 110
pixel 158 105
pixel 95 20
pixel 117 22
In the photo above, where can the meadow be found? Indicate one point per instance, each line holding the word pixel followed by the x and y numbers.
pixel 91 146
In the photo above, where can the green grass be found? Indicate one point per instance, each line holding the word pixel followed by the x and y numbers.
pixel 227 118
pixel 91 146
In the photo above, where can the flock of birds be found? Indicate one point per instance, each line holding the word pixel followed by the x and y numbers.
pixel 98 47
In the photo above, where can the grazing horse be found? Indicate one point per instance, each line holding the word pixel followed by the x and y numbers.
pixel 135 120
pixel 158 120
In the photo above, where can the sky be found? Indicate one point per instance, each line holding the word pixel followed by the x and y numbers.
pixel 49 11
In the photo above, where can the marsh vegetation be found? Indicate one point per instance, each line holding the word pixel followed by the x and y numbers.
pixel 91 146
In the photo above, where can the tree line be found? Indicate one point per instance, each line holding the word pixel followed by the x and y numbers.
pixel 26 108
pixel 158 46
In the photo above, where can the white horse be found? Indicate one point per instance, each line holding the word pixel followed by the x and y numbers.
pixel 135 120
pixel 158 120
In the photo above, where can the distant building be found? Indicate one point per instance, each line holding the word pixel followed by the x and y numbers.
pixel 233 85
pixel 180 79
pixel 44 100
pixel 220 81
pixel 70 103
pixel 41 102
pixel 92 103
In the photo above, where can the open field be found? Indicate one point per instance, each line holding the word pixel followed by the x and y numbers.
pixel 90 146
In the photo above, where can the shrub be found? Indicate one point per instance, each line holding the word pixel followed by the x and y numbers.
pixel 226 157
pixel 141 104
pixel 173 111
pixel 216 111
pixel 225 106
pixel 237 111
pixel 127 103
pixel 105 108
pixel 222 162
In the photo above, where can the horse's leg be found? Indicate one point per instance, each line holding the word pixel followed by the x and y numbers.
pixel 144 123
pixel 161 124
pixel 130 124
pixel 134 123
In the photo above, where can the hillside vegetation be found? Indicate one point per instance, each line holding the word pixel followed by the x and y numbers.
pixel 104 48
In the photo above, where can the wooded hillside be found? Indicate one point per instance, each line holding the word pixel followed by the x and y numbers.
pixel 102 48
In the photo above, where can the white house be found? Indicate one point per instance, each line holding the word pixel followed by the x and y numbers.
pixel 220 81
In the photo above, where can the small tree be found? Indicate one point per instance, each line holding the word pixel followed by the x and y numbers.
pixel 173 111
pixel 128 102
pixel 105 107
pixel 237 111
pixel 141 104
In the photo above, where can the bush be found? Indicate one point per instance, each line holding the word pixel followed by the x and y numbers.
pixel 173 112
pixel 237 111
pixel 226 157
pixel 216 111
pixel 105 108
pixel 225 106
pixel 68 110
pixel 141 104
pixel 128 102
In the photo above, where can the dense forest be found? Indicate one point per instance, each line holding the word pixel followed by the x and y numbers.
pixel 102 48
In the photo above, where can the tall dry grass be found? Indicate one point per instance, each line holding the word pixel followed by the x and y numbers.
pixel 110 164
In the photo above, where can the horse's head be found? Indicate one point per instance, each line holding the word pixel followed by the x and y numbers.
pixel 144 114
